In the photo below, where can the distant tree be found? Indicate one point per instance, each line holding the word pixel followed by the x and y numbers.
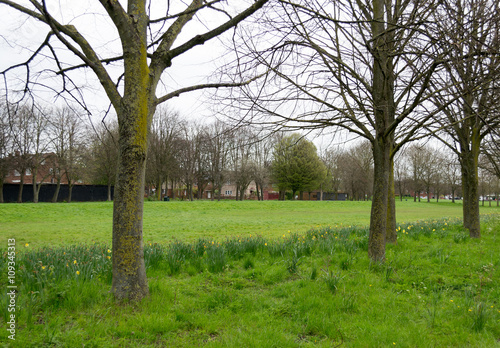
pixel 357 171
pixel 187 157
pixel 4 147
pixel 401 177
pixel 165 128
pixel 467 90
pixel 66 133
pixel 202 174
pixel 241 163
pixel 331 159
pixel 416 165
pixel 451 175
pixel 21 128
pixel 428 160
pixel 102 162
pixel 296 165
pixel 40 146
pixel 262 157
pixel 218 139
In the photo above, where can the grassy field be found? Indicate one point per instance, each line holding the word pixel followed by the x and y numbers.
pixel 254 274
pixel 48 224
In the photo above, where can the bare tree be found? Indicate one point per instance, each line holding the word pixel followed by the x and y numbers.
pixel 241 164
pixel 466 90
pixel 165 129
pixel 149 46
pixel 359 66
pixel 66 135
pixel 428 162
pixel 102 155
pixel 451 173
pixel 40 144
pixel 357 171
pixel 5 138
pixel 416 166
pixel 21 128
pixel 331 158
pixel 262 157
pixel 186 157
pixel 401 173
pixel 218 140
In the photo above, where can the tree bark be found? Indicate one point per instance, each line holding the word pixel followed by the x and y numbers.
pixel 21 187
pixel 391 235
pixel 129 272
pixel 56 193
pixel 470 187
pixel 109 191
pixel 35 186
pixel 379 211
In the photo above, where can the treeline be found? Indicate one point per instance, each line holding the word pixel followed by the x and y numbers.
pixel 188 157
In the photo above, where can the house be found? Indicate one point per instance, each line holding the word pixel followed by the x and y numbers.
pixel 47 171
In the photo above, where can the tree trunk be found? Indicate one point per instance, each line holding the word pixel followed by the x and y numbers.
pixel 21 187
pixel 158 188
pixel 391 235
pixel 129 272
pixel 35 186
pixel 470 187
pixel 56 193
pixel 109 191
pixel 378 218
pixel 70 191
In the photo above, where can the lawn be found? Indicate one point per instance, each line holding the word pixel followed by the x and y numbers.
pixel 48 224
pixel 255 274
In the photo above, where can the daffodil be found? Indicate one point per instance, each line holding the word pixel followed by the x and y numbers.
pixel 77 272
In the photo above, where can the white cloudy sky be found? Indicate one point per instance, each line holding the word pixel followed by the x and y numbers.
pixel 21 35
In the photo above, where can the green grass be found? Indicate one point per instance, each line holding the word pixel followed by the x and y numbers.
pixel 48 224
pixel 311 287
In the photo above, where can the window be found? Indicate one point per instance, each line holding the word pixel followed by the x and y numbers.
pixel 28 171
pixel 229 193
pixel 16 173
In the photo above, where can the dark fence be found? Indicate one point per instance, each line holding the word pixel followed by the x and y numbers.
pixel 80 193
pixel 329 196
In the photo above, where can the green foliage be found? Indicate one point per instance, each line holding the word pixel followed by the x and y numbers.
pixel 296 165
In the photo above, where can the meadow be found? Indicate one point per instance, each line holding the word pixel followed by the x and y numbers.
pixel 48 224
pixel 254 274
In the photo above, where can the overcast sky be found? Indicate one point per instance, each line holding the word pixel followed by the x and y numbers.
pixel 20 36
